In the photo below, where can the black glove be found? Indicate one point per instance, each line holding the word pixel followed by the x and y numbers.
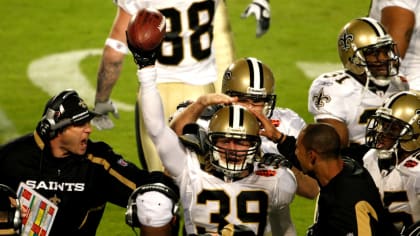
pixel 275 160
pixel 143 58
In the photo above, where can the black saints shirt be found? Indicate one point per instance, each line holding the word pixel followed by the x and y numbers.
pixel 350 205
pixel 79 185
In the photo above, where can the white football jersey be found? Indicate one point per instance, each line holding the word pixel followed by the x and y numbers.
pixel 254 201
pixel 338 95
pixel 400 189
pixel 247 201
pixel 287 122
pixel 187 46
pixel 411 63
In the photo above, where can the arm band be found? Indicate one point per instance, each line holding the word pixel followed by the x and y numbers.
pixel 117 45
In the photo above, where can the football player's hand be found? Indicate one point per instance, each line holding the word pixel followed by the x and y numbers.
pixel 104 121
pixel 215 99
pixel 274 160
pixel 236 230
pixel 261 10
pixel 267 127
pixel 143 58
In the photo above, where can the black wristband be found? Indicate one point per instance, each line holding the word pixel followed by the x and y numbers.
pixel 287 148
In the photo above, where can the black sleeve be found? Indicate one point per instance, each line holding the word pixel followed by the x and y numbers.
pixel 355 151
pixel 287 148
pixel 120 176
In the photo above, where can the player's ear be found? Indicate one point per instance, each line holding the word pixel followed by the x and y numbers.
pixel 174 220
pixel 312 155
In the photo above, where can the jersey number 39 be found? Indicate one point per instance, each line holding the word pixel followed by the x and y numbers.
pixel 242 199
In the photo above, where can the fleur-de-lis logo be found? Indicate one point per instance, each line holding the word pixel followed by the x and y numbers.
pixel 55 199
pixel 82 104
pixel 345 40
pixel 226 77
pixel 320 99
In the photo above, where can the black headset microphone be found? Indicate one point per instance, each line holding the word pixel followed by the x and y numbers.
pixel 14 217
pixel 47 126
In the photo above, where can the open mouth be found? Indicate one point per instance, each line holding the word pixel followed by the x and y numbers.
pixel 84 143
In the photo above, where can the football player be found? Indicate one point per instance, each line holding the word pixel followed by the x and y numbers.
pixel 402 20
pixel 252 83
pixel 186 62
pixel 393 134
pixel 227 187
pixel 346 98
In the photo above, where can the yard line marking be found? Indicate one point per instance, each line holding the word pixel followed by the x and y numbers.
pixel 7 128
pixel 56 72
pixel 314 69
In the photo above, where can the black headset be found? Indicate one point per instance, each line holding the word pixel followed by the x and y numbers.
pixel 48 126
pixel 162 186
pixel 14 218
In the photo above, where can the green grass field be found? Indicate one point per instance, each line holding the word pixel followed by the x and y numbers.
pixel 49 45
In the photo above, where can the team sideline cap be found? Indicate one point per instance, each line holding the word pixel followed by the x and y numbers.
pixel 154 209
pixel 68 105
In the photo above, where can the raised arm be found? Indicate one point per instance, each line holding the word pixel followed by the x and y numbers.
pixel 171 151
pixel 193 111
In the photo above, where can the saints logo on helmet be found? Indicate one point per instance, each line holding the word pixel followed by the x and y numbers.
pixel 250 79
pixel 365 37
pixel 234 140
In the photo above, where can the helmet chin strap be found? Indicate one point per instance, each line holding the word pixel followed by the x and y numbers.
pixel 387 155
pixel 366 87
pixel 381 80
pixel 385 158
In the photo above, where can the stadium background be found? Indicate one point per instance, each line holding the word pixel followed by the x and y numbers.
pixel 49 45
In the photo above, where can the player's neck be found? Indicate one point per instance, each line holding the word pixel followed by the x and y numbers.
pixel 372 86
pixel 330 169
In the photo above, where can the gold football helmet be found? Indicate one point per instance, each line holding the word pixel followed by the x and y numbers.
pixel 395 126
pixel 249 78
pixel 233 139
pixel 398 119
pixel 366 36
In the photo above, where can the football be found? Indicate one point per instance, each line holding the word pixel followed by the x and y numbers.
pixel 146 29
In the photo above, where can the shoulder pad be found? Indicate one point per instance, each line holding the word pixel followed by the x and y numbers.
pixel 400 83
pixel 411 165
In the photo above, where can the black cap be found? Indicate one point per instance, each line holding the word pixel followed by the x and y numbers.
pixel 67 108
pixel 77 110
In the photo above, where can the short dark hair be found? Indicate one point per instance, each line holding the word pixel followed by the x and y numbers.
pixel 322 138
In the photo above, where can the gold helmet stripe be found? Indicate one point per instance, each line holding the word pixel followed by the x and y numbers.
pixel 379 29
